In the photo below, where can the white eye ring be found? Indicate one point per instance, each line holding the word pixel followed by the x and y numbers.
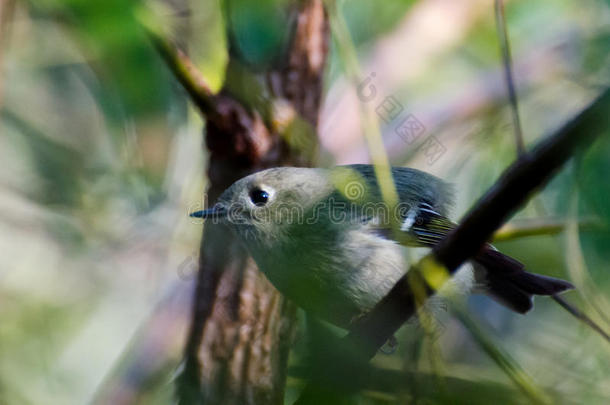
pixel 260 195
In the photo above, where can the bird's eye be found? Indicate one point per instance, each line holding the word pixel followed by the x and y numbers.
pixel 259 197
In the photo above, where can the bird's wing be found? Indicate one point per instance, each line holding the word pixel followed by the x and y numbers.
pixel 413 187
pixel 426 201
pixel 421 226
pixel 426 226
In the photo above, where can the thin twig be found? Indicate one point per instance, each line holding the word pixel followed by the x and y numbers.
pixel 522 179
pixel 508 74
pixel 578 314
pixel 540 227
pixel 184 70
pixel 503 360
pixel 552 227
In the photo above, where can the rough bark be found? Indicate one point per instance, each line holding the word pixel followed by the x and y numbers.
pixel 241 328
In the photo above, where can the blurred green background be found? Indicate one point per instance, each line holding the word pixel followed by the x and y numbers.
pixel 102 160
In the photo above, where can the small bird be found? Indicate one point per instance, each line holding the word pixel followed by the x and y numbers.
pixel 327 240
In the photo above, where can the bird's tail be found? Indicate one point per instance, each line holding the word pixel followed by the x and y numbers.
pixel 508 283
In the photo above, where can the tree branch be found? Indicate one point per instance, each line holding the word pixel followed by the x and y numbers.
pixel 241 329
pixel 580 315
pixel 528 174
pixel 540 227
pixel 184 71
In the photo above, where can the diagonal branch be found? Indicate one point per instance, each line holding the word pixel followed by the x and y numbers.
pixel 184 71
pixel 518 183
pixel 542 227
pixel 580 315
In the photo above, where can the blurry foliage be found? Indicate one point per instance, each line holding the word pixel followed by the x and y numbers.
pixel 198 28
pixel 258 30
pixel 52 160
pixel 102 160
pixel 359 16
pixel 111 37
pixel 591 176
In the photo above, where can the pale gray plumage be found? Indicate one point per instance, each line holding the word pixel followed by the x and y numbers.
pixel 321 237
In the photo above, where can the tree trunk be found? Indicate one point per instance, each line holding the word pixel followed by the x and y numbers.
pixel 242 328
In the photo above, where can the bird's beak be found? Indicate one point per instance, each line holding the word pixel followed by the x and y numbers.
pixel 217 211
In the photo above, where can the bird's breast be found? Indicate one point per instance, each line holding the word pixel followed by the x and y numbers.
pixel 334 276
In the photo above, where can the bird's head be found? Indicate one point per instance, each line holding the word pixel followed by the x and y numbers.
pixel 262 207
